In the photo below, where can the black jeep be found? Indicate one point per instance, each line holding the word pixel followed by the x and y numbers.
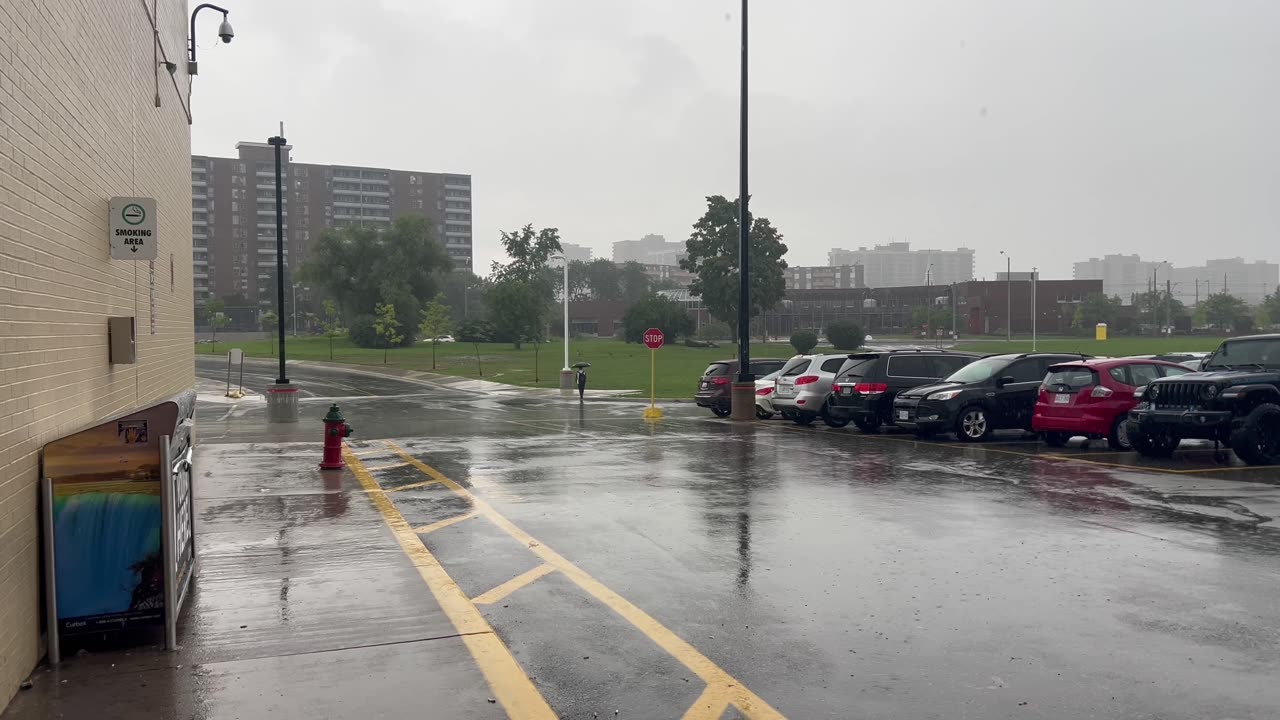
pixel 1235 400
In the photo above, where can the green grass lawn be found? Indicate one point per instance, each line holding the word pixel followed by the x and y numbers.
pixel 615 365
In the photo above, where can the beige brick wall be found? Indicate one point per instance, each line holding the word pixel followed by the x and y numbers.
pixel 78 124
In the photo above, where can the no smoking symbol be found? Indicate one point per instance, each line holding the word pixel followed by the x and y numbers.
pixel 133 214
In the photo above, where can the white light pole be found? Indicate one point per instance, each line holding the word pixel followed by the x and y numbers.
pixel 566 375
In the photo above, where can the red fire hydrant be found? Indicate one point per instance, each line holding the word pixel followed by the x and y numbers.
pixel 335 430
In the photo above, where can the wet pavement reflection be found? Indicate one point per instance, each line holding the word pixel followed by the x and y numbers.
pixel 829 574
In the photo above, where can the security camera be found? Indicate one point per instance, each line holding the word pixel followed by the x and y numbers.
pixel 224 30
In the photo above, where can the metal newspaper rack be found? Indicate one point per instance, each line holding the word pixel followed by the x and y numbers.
pixel 105 492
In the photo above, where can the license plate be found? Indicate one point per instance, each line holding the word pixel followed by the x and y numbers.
pixel 904 414
pixel 1061 399
pixel 703 386
pixel 846 391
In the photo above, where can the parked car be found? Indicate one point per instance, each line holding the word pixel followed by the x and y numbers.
pixel 802 389
pixel 995 393
pixel 764 395
pixel 1093 398
pixel 717 380
pixel 1235 400
pixel 444 339
pixel 865 391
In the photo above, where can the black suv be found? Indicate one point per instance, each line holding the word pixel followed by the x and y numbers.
pixel 1234 399
pixel 995 393
pixel 864 393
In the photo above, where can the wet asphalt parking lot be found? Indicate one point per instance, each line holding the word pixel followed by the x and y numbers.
pixel 696 568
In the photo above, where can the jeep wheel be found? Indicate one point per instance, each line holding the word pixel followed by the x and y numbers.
pixel 1257 442
pixel 869 425
pixel 1153 445
pixel 1119 437
pixel 973 425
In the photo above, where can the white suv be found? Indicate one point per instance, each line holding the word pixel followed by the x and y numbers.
pixel 803 386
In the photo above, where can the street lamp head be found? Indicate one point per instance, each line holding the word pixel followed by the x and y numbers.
pixel 225 33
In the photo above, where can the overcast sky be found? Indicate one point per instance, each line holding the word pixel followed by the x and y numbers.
pixel 1056 129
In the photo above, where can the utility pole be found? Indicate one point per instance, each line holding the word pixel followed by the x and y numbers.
pixel 1034 279
pixel 743 392
pixel 278 143
pixel 1168 304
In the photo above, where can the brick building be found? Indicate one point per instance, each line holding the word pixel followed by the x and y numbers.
pixel 86 115
pixel 233 214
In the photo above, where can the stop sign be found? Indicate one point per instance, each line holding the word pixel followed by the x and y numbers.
pixel 653 338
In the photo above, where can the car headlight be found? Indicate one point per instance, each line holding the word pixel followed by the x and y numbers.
pixel 1211 391
pixel 944 395
pixel 1153 391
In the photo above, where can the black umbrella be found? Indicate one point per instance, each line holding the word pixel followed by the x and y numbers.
pixel 580 365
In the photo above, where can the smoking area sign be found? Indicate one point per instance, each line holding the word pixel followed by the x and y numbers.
pixel 132 226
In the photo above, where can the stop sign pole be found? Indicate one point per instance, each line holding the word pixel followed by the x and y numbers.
pixel 653 339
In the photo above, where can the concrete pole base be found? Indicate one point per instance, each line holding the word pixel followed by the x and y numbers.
pixel 568 382
pixel 743 396
pixel 282 403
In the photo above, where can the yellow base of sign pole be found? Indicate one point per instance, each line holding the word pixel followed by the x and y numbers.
pixel 653 412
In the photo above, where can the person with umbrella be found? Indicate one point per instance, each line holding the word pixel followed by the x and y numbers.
pixel 581 367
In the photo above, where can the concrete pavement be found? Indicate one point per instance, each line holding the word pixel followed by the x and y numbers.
pixel 596 564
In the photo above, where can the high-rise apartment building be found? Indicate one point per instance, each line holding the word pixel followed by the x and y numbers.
pixel 823 278
pixel 233 214
pixel 897 265
pixel 1128 275
pixel 649 250
pixel 579 253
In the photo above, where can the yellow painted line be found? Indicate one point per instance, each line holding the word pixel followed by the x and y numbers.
pixel 710 705
pixel 441 524
pixel 512 585
pixel 376 468
pixel 751 705
pixel 1229 468
pixel 412 486
pixel 509 683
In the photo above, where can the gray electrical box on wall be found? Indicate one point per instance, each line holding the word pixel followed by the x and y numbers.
pixel 121 343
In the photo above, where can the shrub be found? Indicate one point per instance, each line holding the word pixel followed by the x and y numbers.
pixel 845 334
pixel 362 332
pixel 804 341
pixel 658 312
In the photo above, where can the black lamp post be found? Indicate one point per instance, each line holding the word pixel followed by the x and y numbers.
pixel 278 142
pixel 744 261
pixel 225 33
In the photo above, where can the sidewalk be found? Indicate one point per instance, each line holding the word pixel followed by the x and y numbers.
pixel 306 607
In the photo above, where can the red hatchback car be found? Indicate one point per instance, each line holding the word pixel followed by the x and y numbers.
pixel 1093 398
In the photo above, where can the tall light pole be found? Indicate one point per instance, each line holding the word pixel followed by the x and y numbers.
pixel 278 142
pixel 1034 279
pixel 1155 296
pixel 743 393
pixel 1008 296
pixel 566 375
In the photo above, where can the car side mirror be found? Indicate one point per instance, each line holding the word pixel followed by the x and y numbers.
pixel 1006 380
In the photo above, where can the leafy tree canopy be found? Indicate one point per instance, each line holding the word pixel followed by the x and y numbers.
pixel 713 256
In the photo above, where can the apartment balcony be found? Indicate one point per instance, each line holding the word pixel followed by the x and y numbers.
pixel 200 261
pixel 454 186
pixel 376 193
pixel 376 181
pixel 200 275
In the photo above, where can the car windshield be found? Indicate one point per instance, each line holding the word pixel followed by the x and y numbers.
pixel 1073 378
pixel 856 370
pixel 716 369
pixel 1245 354
pixel 795 367
pixel 979 370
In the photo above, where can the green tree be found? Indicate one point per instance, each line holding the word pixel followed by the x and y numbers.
pixel 387 327
pixel 529 253
pixel 845 334
pixel 518 309
pixel 213 311
pixel 603 279
pixel 1269 311
pixel 655 311
pixel 332 325
pixel 1223 309
pixel 269 323
pixel 633 283
pixel 361 267
pixel 804 341
pixel 436 321
pixel 1158 308
pixel 713 256
pixel 1097 308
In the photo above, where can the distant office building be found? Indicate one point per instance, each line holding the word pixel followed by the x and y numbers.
pixel 1130 275
pixel 576 252
pixel 649 250
pixel 1017 276
pixel 824 278
pixel 897 265
pixel 233 214
pixel 669 275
